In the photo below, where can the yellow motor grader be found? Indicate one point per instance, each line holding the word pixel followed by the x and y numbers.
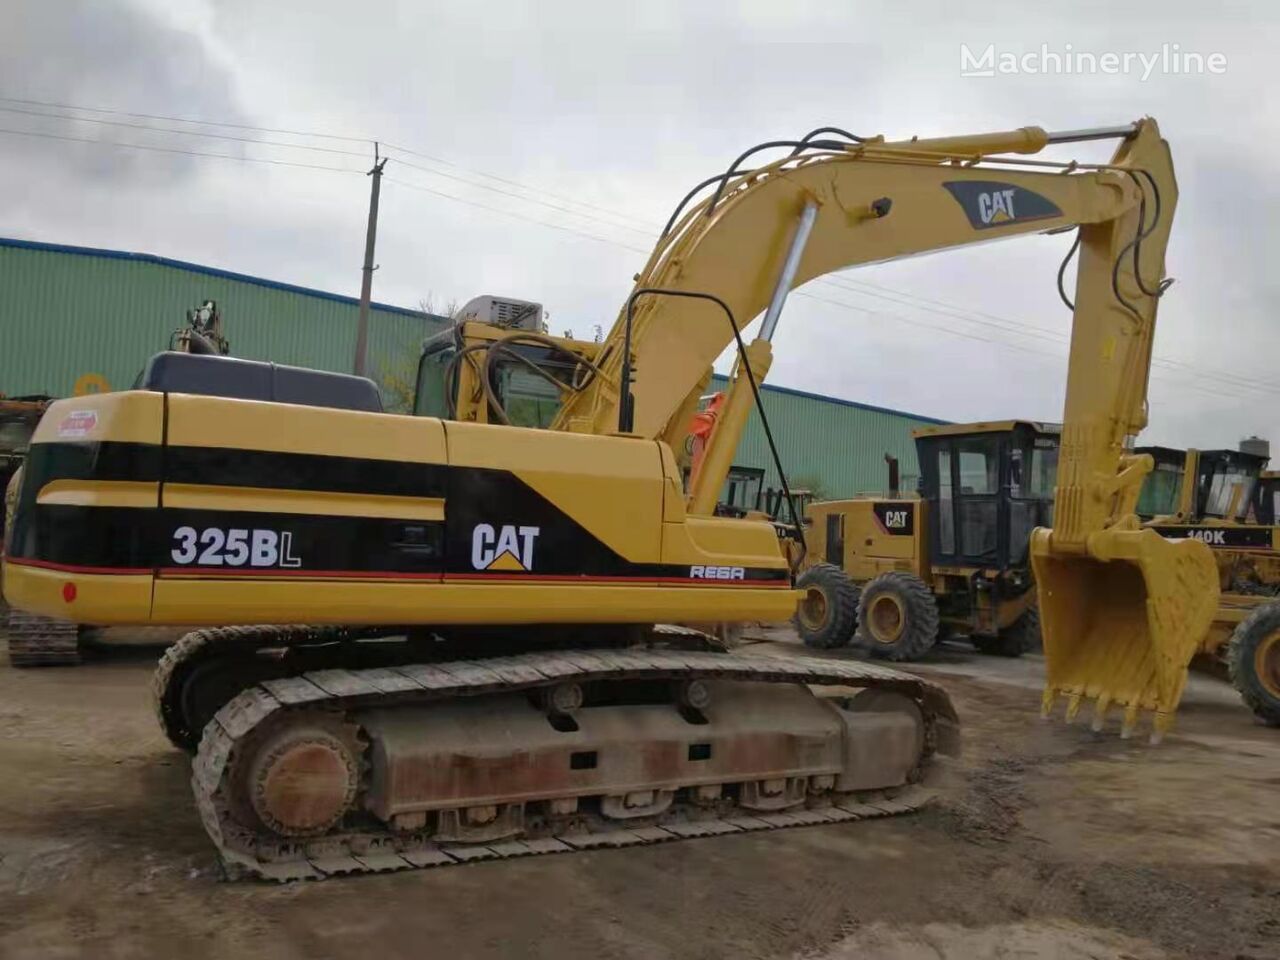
pixel 1227 500
pixel 893 575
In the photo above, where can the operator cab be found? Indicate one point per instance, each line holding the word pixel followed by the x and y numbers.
pixel 743 492
pixel 1162 487
pixel 1225 483
pixel 495 364
pixel 1266 498
pixel 987 486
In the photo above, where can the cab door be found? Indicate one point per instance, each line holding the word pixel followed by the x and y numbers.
pixel 964 482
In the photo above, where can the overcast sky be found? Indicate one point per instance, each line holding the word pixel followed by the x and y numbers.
pixel 624 107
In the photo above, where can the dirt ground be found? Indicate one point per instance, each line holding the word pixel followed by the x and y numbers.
pixel 1048 841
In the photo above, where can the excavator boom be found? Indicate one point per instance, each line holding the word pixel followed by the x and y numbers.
pixel 1122 609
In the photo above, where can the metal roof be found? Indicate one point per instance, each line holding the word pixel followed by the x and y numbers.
pixel 81 318
pixel 199 268
pixel 828 444
pixel 988 426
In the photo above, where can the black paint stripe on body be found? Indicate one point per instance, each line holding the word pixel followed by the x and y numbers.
pixel 134 538
pixel 231 467
pixel 91 460
pixel 138 538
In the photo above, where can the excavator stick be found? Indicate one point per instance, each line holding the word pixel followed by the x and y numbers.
pixel 1122 622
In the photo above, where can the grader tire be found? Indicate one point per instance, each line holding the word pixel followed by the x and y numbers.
pixel 1021 636
pixel 828 614
pixel 1253 659
pixel 897 618
pixel 1031 633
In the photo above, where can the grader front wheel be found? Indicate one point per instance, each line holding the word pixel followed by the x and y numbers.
pixel 1253 657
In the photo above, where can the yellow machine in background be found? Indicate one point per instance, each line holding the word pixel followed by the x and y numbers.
pixel 1225 499
pixel 891 575
pixel 514 562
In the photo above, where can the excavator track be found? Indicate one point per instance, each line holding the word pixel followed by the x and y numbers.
pixel 36 641
pixel 206 649
pixel 358 714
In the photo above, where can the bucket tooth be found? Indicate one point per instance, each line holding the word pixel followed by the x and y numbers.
pixel 1073 706
pixel 1122 620
pixel 1160 725
pixel 1046 703
pixel 1130 721
pixel 1100 707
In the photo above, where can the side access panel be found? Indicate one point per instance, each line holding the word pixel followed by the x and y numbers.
pixel 274 509
pixel 871 536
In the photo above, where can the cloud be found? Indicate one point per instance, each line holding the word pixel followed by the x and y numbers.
pixel 90 52
pixel 625 108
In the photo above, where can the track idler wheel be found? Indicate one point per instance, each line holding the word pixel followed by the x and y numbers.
pixel 300 779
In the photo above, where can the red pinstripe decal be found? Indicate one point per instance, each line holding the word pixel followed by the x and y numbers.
pixel 277 572
pixel 74 568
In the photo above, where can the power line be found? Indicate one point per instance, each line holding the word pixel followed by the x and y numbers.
pixel 189 153
pixel 517 216
pixel 206 123
pixel 1003 325
pixel 1001 342
pixel 183 133
pixel 508 193
pixel 651 226
pixel 972 336
pixel 1035 331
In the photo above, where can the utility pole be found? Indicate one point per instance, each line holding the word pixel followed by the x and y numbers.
pixel 366 281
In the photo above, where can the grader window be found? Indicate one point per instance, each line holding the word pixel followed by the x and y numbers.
pixel 946 520
pixel 531 400
pixel 1222 493
pixel 976 504
pixel 1160 490
pixel 1044 473
pixel 431 398
pixel 979 466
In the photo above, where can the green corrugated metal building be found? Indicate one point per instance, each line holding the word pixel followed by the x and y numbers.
pixel 76 316
pixel 833 447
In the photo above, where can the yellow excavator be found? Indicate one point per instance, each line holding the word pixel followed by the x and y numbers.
pixel 474 670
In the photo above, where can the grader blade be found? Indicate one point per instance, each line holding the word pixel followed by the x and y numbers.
pixel 1122 621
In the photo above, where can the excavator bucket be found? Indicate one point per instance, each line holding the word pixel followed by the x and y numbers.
pixel 1122 621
